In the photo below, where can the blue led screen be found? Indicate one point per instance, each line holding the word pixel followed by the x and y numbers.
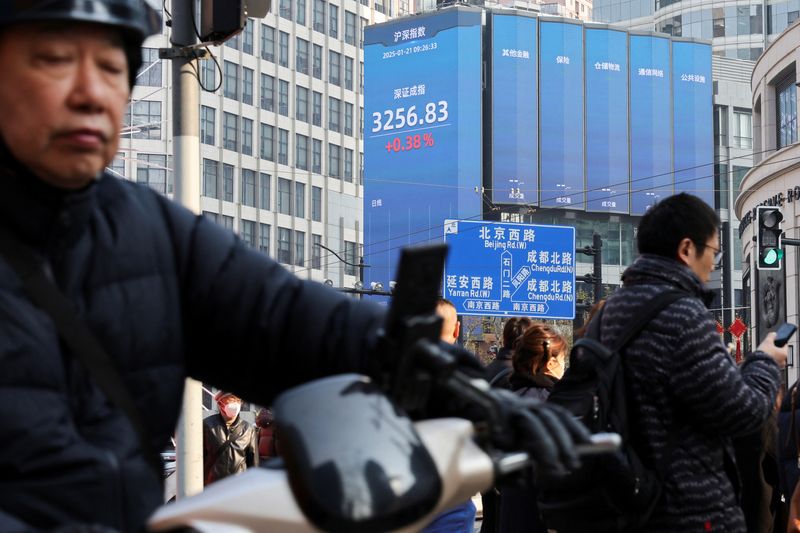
pixel 607 179
pixel 515 141
pixel 651 115
pixel 561 114
pixel 422 132
pixel 692 119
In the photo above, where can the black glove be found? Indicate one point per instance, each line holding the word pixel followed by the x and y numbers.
pixel 548 432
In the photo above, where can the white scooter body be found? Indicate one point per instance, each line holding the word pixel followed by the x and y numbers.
pixel 262 500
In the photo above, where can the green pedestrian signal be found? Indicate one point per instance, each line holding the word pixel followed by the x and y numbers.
pixel 768 238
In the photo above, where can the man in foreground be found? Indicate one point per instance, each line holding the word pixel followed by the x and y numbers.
pixel 687 397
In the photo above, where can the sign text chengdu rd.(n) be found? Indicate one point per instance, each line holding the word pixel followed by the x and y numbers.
pixel 504 269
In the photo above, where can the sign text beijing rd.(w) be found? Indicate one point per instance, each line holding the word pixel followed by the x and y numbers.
pixel 504 269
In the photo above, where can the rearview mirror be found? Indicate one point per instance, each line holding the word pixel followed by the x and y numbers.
pixel 354 461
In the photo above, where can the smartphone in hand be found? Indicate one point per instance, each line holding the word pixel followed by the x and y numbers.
pixel 784 333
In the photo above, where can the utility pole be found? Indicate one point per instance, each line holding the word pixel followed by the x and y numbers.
pixel 186 153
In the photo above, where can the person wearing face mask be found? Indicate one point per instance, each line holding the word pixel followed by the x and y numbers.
pixel 229 442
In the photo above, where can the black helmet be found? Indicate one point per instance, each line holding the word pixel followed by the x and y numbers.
pixel 136 19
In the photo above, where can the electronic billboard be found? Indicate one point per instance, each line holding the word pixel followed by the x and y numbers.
pixel 650 119
pixel 692 124
pixel 422 131
pixel 515 136
pixel 607 178
pixel 561 114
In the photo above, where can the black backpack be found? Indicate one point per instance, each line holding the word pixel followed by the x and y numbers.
pixel 615 491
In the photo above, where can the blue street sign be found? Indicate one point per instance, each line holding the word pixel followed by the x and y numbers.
pixel 504 269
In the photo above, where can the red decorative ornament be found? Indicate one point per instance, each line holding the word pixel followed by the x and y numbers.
pixel 737 329
pixel 720 328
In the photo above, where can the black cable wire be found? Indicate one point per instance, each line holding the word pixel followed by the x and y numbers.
pixel 440 227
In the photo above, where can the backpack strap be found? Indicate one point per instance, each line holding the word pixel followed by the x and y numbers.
pixel 499 376
pixel 641 319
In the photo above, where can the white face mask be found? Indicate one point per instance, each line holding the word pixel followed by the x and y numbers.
pixel 231 410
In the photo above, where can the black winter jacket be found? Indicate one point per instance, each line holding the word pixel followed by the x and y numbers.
pixel 227 450
pixel 165 292
pixel 681 382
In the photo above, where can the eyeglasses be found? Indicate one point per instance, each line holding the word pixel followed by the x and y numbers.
pixel 717 253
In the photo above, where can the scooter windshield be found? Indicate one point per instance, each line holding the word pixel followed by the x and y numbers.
pixel 354 461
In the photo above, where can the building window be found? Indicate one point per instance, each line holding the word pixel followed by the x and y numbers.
pixel 210 178
pixel 233 42
pixel 360 167
pixel 361 77
pixel 283 49
pixel 283 97
pixel 230 131
pixel 143 120
pixel 348 118
pixel 248 232
pixel 301 104
pixel 300 200
pixel 150 73
pixel 284 196
pixel 247 38
pixel 333 26
pixel 264 191
pixel 248 187
pixel 227 182
pixel 316 156
pixel 283 146
pixel 267 142
pixel 285 9
pixel 334 160
pixel 301 58
pixel 284 246
pixel 211 216
pixel 786 96
pixel 361 120
pixel 227 222
pixel 350 28
pixel 247 136
pixel 316 252
pixel 742 129
pixel 208 75
pixel 348 73
pixel 301 152
pixel 299 248
pixel 263 238
pixel 317 66
pixel 319 16
pixel 207 120
pixel 267 43
pixel 316 204
pixel 334 67
pixel 348 165
pixel 230 86
pixel 247 85
pixel 333 114
pixel 316 109
pixel 267 92
pixel 301 12
pixel 117 166
pixel 350 258
pixel 151 170
pixel 721 125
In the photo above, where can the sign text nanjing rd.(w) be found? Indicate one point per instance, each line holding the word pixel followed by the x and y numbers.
pixel 505 269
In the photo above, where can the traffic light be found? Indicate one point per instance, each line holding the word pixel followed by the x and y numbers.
pixel 768 238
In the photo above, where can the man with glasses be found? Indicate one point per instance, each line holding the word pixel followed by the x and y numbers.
pixel 687 398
